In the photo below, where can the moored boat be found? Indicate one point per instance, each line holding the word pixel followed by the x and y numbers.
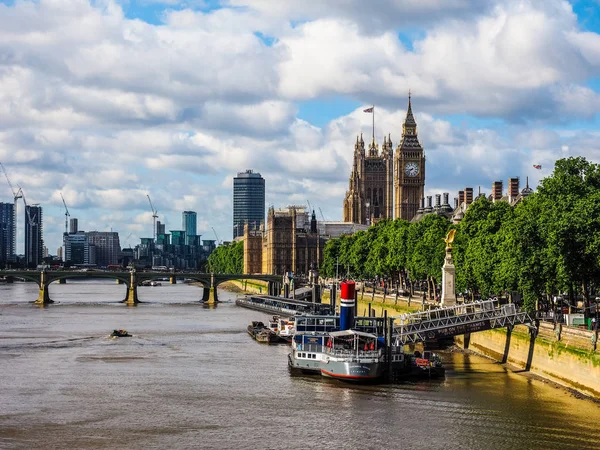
pixel 266 336
pixel 255 327
pixel 428 364
pixel 347 355
pixel 284 328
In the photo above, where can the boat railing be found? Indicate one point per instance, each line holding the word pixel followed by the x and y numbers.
pixel 351 354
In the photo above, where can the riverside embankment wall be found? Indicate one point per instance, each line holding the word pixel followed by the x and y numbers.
pixel 567 356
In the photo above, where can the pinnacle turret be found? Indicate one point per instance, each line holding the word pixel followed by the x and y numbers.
pixel 410 119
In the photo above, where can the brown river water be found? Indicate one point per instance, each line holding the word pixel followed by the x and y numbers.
pixel 191 377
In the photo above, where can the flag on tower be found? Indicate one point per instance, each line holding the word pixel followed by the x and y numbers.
pixel 368 110
pixel 537 166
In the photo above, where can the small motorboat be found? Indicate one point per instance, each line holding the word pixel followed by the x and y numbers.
pixel 120 333
pixel 255 327
pixel 266 336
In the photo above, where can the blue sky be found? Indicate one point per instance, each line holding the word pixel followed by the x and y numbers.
pixel 107 101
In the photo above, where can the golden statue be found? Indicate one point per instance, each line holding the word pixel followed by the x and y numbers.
pixel 449 239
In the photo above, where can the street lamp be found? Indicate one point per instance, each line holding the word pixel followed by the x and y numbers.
pixel 368 204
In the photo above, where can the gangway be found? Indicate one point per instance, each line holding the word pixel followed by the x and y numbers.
pixel 455 320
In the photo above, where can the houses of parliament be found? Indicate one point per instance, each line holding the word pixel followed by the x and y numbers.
pixel 384 185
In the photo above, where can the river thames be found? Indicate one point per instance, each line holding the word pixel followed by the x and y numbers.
pixel 191 377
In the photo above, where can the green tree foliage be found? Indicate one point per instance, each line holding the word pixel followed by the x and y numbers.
pixel 227 258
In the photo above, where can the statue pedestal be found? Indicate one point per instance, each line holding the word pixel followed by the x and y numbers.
pixel 448 281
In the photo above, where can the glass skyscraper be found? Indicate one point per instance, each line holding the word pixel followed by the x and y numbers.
pixel 34 241
pixel 7 233
pixel 189 225
pixel 248 202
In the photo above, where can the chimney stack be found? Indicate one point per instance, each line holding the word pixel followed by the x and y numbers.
pixel 438 200
pixel 468 195
pixel 429 204
pixel 513 189
pixel 496 190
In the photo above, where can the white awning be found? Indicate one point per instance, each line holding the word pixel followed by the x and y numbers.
pixel 351 333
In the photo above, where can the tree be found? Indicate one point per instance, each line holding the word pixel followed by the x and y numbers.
pixel 227 258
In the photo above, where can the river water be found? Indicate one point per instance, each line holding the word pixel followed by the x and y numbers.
pixel 191 377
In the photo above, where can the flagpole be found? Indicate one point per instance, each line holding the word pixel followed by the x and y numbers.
pixel 373 123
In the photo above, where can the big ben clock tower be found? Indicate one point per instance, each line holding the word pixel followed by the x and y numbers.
pixel 409 168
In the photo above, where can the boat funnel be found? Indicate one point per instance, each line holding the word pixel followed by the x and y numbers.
pixel 347 303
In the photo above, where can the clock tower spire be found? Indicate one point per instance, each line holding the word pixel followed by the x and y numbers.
pixel 409 168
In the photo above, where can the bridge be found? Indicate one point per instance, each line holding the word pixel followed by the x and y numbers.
pixel 132 278
pixel 455 320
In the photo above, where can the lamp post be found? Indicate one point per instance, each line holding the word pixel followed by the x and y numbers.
pixel 368 205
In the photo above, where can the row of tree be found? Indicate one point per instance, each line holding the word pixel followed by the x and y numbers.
pixel 228 258
pixel 547 245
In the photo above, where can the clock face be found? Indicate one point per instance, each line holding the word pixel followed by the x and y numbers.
pixel 411 169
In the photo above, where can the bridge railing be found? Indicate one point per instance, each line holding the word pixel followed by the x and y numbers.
pixel 448 311
pixel 450 321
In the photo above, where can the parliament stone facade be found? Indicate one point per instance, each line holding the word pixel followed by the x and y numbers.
pixel 383 185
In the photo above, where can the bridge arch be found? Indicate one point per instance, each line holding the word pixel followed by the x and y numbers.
pixel 272 281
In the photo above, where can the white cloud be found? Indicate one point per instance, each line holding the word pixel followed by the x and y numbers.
pixel 106 109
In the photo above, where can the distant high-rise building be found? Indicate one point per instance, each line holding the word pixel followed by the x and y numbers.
pixel 73 226
pixel 189 225
pixel 107 247
pixel 7 233
pixel 177 237
pixel 34 241
pixel 59 253
pixel 160 228
pixel 248 202
pixel 77 248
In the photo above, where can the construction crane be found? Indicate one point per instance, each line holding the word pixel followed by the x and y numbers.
pixel 16 196
pixel 321 211
pixel 218 240
pixel 67 215
pixel 127 239
pixel 154 217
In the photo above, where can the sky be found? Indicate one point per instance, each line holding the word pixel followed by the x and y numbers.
pixel 108 101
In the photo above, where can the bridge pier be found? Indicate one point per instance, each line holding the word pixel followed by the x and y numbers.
pixel 132 297
pixel 10 280
pixel 44 296
pixel 119 281
pixel 62 281
pixel 509 330
pixel 173 279
pixel 210 296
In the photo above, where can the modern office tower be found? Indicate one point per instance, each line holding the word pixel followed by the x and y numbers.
pixel 248 202
pixel 160 228
pixel 189 225
pixel 7 233
pixel 73 226
pixel 77 248
pixel 34 241
pixel 107 247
